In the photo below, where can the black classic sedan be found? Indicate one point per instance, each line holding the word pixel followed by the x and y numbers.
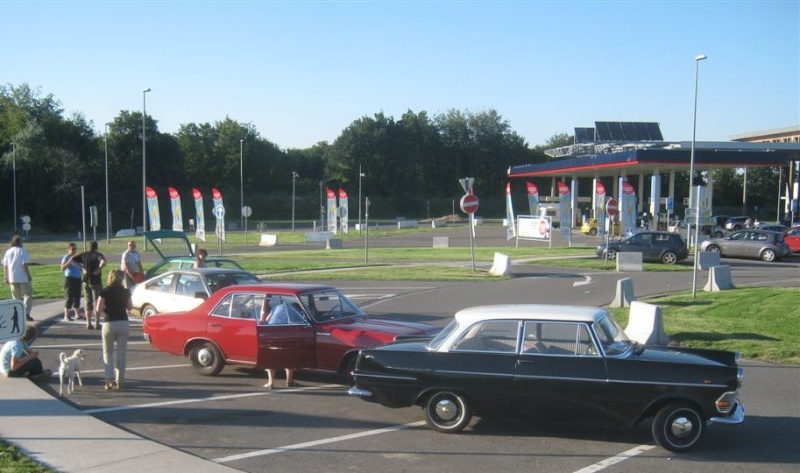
pixel 555 363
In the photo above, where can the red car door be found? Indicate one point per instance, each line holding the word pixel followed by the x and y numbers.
pixel 232 326
pixel 286 339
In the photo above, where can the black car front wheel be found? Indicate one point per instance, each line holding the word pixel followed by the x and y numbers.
pixel 678 427
pixel 447 412
pixel 669 257
pixel 206 359
pixel 612 254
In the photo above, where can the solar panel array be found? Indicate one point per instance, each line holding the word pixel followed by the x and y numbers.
pixel 627 131
pixel 584 135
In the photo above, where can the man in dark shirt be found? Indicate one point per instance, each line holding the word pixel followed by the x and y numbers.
pixel 92 263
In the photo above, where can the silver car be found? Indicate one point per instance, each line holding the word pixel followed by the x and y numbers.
pixel 768 246
pixel 185 289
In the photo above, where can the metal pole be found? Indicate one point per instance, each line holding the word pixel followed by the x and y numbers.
pixel 241 179
pixel 697 60
pixel 360 175
pixel 14 166
pixel 144 167
pixel 108 224
pixel 366 234
pixel 294 178
pixel 780 179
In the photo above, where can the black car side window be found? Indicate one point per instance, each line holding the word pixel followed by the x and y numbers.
pixel 558 338
pixel 491 336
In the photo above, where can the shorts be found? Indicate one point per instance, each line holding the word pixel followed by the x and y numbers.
pixel 92 293
pixel 72 293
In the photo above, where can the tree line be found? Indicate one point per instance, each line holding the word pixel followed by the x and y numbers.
pixel 408 166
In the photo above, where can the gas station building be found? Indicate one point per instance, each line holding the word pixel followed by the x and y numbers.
pixel 635 152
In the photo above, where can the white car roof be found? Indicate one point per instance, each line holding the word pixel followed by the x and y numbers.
pixel 560 313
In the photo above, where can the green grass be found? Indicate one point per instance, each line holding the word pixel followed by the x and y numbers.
pixel 12 460
pixel 760 323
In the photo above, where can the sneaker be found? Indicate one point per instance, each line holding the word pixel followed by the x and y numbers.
pixel 89 327
pixel 29 318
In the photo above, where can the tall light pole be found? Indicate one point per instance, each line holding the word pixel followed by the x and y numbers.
pixel 697 59
pixel 294 177
pixel 144 167
pixel 108 224
pixel 241 179
pixel 360 175
pixel 14 172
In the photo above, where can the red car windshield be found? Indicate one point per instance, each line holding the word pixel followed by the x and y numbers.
pixel 325 306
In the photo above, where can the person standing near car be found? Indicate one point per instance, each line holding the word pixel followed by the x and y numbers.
pixel 200 262
pixel 17 274
pixel 72 283
pixel 92 263
pixel 131 263
pixel 114 301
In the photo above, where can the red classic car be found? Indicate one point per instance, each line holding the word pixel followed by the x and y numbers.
pixel 792 238
pixel 318 328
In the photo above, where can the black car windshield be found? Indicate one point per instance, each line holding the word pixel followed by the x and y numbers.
pixel 325 306
pixel 442 336
pixel 611 336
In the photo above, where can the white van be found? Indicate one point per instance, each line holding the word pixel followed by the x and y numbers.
pixel 552 212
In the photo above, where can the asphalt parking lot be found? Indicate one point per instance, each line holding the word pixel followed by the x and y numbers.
pixel 230 419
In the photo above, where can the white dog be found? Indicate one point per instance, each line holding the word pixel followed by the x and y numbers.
pixel 69 370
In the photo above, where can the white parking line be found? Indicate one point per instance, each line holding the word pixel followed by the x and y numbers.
pixel 601 465
pixel 203 399
pixel 315 443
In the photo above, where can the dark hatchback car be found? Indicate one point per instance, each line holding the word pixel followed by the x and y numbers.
pixel 663 247
pixel 555 363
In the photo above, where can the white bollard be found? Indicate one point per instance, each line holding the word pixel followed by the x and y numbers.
pixel 646 324
pixel 719 279
pixel 624 295
pixel 501 265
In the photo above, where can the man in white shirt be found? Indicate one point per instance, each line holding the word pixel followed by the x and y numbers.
pixel 17 274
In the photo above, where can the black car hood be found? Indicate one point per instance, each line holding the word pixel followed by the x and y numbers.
pixel 696 356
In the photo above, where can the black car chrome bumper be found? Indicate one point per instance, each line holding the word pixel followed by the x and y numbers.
pixel 354 391
pixel 735 418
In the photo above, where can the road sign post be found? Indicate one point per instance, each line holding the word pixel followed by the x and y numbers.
pixel 469 204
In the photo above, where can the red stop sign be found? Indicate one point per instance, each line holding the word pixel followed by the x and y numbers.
pixel 469 203
pixel 611 207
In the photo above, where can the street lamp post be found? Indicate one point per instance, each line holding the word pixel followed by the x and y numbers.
pixel 360 175
pixel 108 224
pixel 697 60
pixel 14 178
pixel 241 179
pixel 294 177
pixel 144 167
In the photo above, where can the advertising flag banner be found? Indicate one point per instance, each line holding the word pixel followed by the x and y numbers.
pixel 152 209
pixel 511 230
pixel 533 198
pixel 600 208
pixel 627 209
pixel 200 217
pixel 564 210
pixel 175 203
pixel 332 223
pixel 219 213
pixel 343 210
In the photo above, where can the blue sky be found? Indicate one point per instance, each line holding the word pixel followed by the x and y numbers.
pixel 302 71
